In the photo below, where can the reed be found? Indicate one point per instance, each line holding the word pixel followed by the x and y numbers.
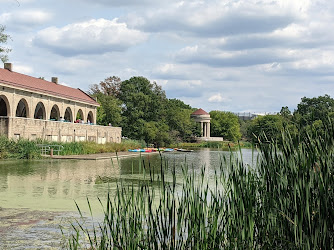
pixel 285 202
pixel 79 148
pixel 18 149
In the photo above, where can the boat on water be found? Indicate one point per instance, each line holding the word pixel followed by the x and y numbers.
pixel 184 150
pixel 148 150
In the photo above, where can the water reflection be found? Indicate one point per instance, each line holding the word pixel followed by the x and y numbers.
pixel 55 184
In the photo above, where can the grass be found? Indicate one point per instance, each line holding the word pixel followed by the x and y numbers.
pixel 79 148
pixel 285 202
pixel 18 149
pixel 25 149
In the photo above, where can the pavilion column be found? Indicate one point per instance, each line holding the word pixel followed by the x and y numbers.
pixel 209 132
pixel 202 129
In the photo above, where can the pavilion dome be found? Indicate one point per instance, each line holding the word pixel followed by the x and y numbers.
pixel 200 112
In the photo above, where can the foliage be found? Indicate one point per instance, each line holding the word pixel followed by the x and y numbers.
pixel 285 202
pixel 79 148
pixel 268 125
pixel 178 117
pixel 226 125
pixel 18 149
pixel 285 112
pixel 143 111
pixel 3 39
pixel 109 112
pixel 316 108
pixel 221 145
pixel 109 87
pixel 142 101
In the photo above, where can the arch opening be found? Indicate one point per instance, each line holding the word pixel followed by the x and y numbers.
pixel 55 113
pixel 40 111
pixel 68 117
pixel 90 117
pixel 79 116
pixel 4 107
pixel 22 109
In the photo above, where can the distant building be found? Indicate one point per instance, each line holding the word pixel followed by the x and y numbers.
pixel 204 119
pixel 34 108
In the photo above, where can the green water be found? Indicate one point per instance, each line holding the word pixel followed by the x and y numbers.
pixel 35 196
pixel 53 185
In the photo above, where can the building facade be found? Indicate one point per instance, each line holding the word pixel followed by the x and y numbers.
pixel 34 108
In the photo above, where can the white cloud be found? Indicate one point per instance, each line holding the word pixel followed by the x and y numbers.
pixel 25 20
pixel 23 69
pixel 216 98
pixel 217 18
pixel 96 36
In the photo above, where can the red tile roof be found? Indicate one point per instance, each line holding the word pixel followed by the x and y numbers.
pixel 39 85
pixel 200 112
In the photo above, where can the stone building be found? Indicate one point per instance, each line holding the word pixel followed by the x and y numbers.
pixel 203 117
pixel 34 108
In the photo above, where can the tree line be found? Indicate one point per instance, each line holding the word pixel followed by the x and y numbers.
pixel 144 112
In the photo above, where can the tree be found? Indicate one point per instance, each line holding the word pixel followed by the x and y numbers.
pixel 268 125
pixel 316 108
pixel 3 39
pixel 142 101
pixel 225 124
pixel 285 112
pixel 110 110
pixel 110 87
pixel 182 127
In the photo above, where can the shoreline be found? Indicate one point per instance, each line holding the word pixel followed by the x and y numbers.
pixel 99 156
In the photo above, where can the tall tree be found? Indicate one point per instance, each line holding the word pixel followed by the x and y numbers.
pixel 3 40
pixel 313 109
pixel 225 124
pixel 268 125
pixel 182 127
pixel 142 101
pixel 110 87
pixel 109 113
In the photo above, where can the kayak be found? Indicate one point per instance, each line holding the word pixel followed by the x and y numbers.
pixel 184 150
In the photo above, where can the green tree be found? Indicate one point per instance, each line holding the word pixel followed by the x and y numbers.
pixel 268 125
pixel 312 109
pixel 182 127
pixel 225 124
pixel 110 110
pixel 285 112
pixel 3 40
pixel 142 101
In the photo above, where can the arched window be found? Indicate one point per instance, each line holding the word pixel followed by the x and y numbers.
pixel 90 117
pixel 22 109
pixel 55 114
pixel 80 116
pixel 68 117
pixel 40 111
pixel 4 106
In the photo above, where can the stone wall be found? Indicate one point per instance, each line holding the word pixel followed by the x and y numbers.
pixel 3 126
pixel 28 128
pixel 12 97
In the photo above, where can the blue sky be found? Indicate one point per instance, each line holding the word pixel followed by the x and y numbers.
pixel 237 55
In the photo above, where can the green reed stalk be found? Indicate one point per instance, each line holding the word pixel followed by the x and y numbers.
pixel 285 201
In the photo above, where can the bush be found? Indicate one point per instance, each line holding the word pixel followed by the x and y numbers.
pixel 19 149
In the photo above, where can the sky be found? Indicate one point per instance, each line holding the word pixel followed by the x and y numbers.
pixel 230 55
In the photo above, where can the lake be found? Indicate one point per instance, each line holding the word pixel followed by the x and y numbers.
pixel 37 196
